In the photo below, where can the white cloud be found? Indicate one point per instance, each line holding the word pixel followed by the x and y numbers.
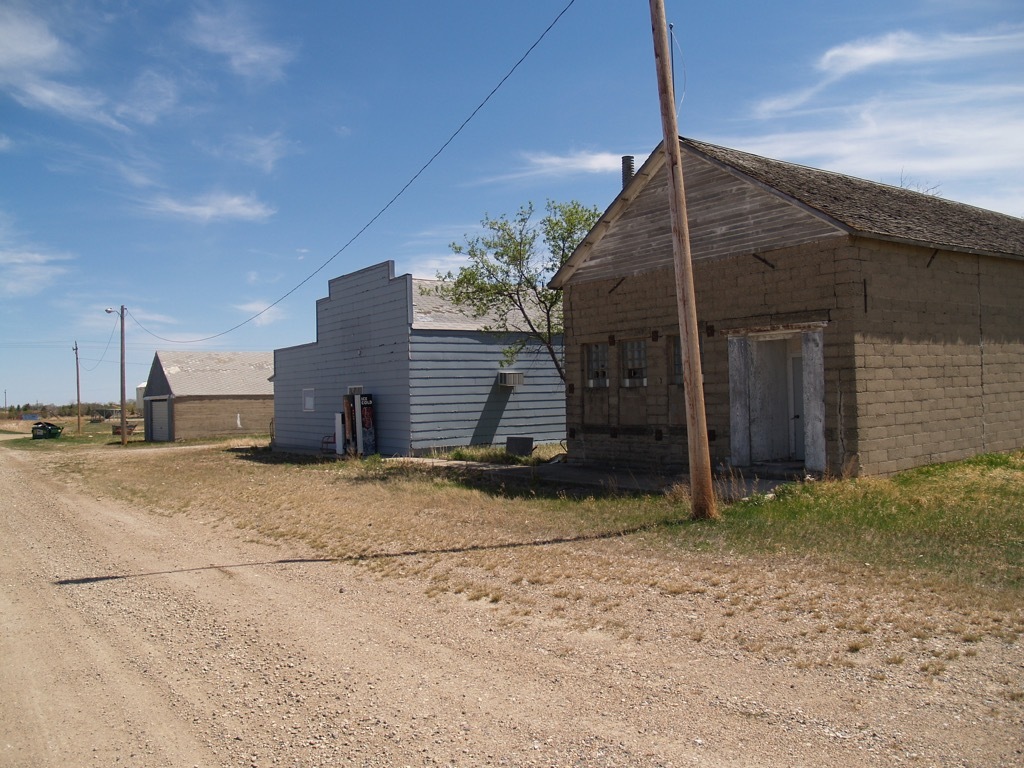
pixel 952 125
pixel 5 143
pixel 133 174
pixel 28 273
pixel 899 47
pixel 969 140
pixel 82 104
pixel 428 265
pixel 151 97
pixel 262 311
pixel 229 34
pixel 890 52
pixel 262 152
pixel 30 55
pixel 25 269
pixel 28 46
pixel 549 165
pixel 214 206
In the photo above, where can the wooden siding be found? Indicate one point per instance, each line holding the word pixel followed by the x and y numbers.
pixel 362 339
pixel 456 399
pixel 156 383
pixel 727 215
pixel 430 387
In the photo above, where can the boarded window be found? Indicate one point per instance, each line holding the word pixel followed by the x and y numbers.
pixel 634 363
pixel 597 364
pixel 309 399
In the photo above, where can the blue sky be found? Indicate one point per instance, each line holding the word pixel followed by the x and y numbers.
pixel 197 161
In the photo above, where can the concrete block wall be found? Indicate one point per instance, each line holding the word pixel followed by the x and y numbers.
pixel 645 427
pixel 198 417
pixel 924 353
pixel 940 357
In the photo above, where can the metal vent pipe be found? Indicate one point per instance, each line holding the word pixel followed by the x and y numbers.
pixel 627 170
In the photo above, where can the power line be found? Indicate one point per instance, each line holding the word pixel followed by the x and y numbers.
pixel 387 205
pixel 90 370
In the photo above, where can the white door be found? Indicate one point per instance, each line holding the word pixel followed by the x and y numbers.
pixel 159 422
pixel 796 368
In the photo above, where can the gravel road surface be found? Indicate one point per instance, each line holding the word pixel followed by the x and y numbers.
pixel 136 639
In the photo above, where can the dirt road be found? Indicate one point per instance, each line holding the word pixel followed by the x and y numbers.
pixel 137 639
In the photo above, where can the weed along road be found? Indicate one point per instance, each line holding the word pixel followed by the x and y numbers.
pixel 137 636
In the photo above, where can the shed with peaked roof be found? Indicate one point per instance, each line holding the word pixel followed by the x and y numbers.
pixel 208 394
pixel 846 326
pixel 437 378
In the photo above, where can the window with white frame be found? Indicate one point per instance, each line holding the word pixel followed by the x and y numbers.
pixel 309 399
pixel 597 364
pixel 633 356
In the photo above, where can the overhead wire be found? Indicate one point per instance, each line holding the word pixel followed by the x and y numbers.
pixel 386 206
pixel 104 354
pixel 677 47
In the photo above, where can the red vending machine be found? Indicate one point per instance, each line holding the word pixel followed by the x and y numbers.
pixel 360 431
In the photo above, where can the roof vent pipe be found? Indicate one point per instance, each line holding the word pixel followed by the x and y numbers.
pixel 627 170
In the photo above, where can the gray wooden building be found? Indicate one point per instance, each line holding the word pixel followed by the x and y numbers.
pixel 194 394
pixel 846 326
pixel 436 378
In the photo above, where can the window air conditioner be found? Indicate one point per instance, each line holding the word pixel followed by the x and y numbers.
pixel 511 378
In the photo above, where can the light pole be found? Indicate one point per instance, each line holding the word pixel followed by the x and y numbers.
pixel 78 388
pixel 124 421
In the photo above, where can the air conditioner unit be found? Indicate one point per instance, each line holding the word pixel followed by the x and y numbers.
pixel 511 378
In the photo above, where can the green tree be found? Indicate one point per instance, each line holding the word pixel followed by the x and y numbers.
pixel 509 267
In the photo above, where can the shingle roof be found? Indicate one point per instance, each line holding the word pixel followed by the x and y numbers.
pixel 218 373
pixel 871 208
pixel 431 310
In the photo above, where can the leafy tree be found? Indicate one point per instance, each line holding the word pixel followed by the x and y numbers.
pixel 509 269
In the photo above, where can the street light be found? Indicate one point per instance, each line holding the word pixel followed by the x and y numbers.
pixel 124 422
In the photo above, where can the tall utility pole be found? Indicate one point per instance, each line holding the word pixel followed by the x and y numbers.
pixel 124 419
pixel 78 388
pixel 702 487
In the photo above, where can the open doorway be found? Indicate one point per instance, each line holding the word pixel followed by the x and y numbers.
pixel 776 399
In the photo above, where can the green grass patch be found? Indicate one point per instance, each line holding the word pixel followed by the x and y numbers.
pixel 495 454
pixel 92 434
pixel 964 520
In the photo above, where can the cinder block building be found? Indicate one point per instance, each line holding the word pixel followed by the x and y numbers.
pixel 193 394
pixel 846 326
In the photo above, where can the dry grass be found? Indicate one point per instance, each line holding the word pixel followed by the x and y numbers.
pixel 831 575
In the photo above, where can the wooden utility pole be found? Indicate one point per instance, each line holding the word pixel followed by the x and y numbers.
pixel 124 416
pixel 702 487
pixel 78 389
